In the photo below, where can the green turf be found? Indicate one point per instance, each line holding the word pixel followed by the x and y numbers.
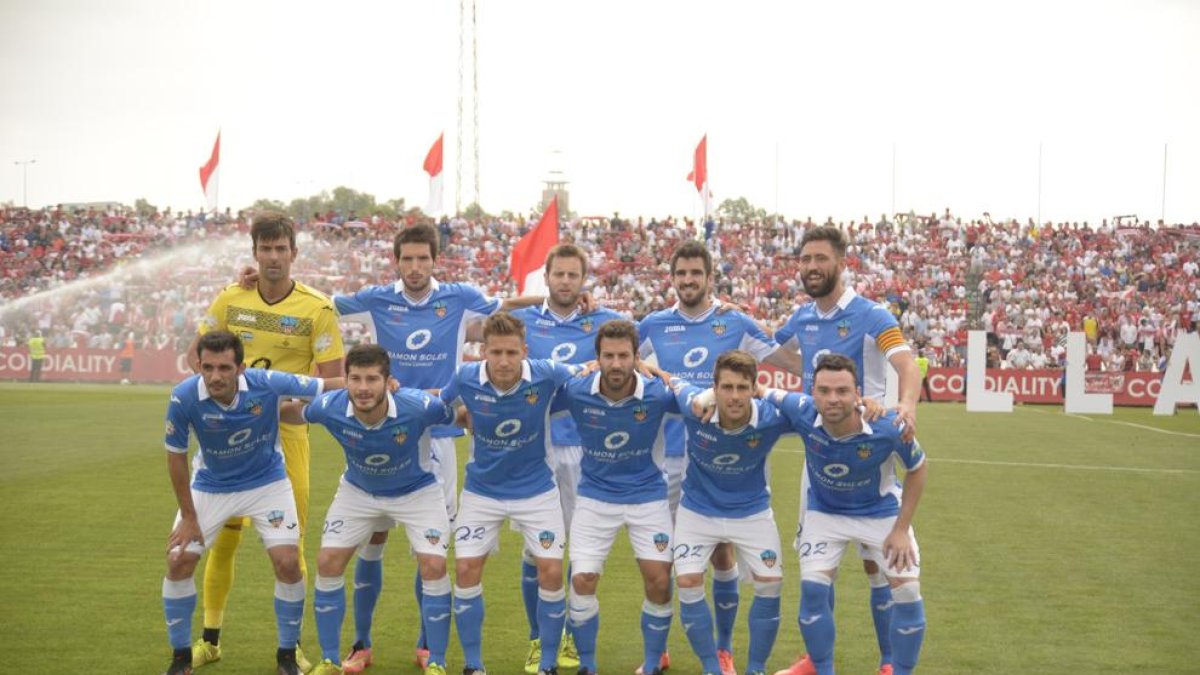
pixel 1029 565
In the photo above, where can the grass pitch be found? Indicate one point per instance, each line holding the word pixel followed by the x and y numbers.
pixel 1050 544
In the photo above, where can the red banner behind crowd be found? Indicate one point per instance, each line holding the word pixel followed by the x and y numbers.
pixel 96 365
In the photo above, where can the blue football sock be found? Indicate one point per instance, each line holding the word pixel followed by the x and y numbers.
pixel 764 624
pixel 368 582
pixel 179 604
pixel 656 626
pixel 881 613
pixel 435 614
pixel 698 626
pixel 584 625
pixel 816 624
pixel 908 632
pixel 551 614
pixel 725 601
pixel 419 594
pixel 468 619
pixel 329 606
pixel 529 595
pixel 289 612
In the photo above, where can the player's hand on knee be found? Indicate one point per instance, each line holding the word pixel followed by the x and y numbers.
pixel 898 551
pixel 186 532
pixel 248 277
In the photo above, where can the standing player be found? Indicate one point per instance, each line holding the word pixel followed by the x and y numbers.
pixel 387 481
pixel 685 340
pixel 854 497
pixel 239 472
pixel 619 416
pixel 726 500
pixel 840 321
pixel 508 476
pixel 285 326
pixel 562 331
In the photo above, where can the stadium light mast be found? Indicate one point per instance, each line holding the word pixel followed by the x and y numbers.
pixel 24 164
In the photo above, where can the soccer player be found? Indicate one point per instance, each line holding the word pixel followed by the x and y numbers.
pixel 239 472
pixel 726 500
pixel 286 326
pixel 840 321
pixel 619 417
pixel 854 497
pixel 686 340
pixel 387 481
pixel 508 476
pixel 560 330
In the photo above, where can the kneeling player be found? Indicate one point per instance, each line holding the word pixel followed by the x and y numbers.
pixel 619 414
pixel 854 497
pixel 239 473
pixel 388 481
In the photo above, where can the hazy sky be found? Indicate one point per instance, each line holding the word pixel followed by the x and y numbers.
pixel 119 100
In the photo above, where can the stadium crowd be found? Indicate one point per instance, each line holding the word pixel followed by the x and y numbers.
pixel 1130 289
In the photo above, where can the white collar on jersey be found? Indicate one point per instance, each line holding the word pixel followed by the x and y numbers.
pixel 638 391
pixel 561 319
pixel 526 372
pixel 753 423
pixel 392 412
pixel 843 302
pixel 399 288
pixel 202 391
pixel 694 319
pixel 866 429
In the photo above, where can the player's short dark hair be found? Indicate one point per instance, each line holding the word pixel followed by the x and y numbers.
pixel 618 329
pixel 272 225
pixel 692 249
pixel 421 233
pixel 836 363
pixel 366 356
pixel 220 341
pixel 736 361
pixel 829 233
pixel 567 251
pixel 503 323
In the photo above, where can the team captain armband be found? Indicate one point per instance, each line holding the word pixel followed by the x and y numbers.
pixel 890 339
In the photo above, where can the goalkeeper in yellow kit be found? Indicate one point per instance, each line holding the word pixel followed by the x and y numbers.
pixel 284 326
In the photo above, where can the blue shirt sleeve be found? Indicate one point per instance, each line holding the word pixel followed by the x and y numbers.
pixel 477 302
pixel 449 393
pixel 436 412
pixel 350 304
pixel 684 393
pixel 787 331
pixel 911 454
pixel 792 406
pixel 317 411
pixel 176 438
pixel 287 384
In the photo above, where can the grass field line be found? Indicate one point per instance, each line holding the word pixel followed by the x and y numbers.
pixel 1128 424
pixel 1039 465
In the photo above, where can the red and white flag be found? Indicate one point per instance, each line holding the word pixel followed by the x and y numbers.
pixel 209 177
pixel 699 174
pixel 529 255
pixel 433 167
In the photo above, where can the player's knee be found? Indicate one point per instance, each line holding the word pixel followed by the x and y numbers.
pixel 689 581
pixel 550 573
pixel 467 571
pixel 432 566
pixel 905 590
pixel 768 587
pixel 379 537
pixel 331 562
pixel 657 578
pixel 181 566
pixel 286 560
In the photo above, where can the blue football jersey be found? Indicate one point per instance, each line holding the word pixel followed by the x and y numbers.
pixel 622 440
pixel 510 445
pixel 424 338
pixel 688 348
pixel 389 459
pixel 566 339
pixel 239 443
pixel 854 475
pixel 862 330
pixel 727 470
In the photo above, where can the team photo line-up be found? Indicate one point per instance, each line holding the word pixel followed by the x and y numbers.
pixel 579 422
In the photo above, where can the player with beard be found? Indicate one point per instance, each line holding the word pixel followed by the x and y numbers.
pixel 686 340
pixel 840 321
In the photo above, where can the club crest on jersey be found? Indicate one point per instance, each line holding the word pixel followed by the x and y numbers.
pixel 661 540
pixel 753 440
pixel 639 413
pixel 586 325
pixel 275 518
pixel 439 308
pixel 531 395
pixel 400 436
pixel 769 557
pixel 433 536
pixel 288 324
pixel 843 328
pixel 546 538
pixel 864 451
pixel 719 326
pixel 254 406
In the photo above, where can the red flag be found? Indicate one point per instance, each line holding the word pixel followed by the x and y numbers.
pixel 433 159
pixel 208 174
pixel 529 255
pixel 699 173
